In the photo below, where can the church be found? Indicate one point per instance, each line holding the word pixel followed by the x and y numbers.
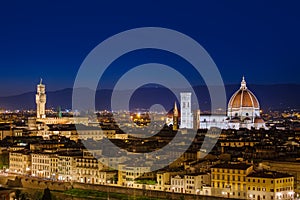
pixel 243 111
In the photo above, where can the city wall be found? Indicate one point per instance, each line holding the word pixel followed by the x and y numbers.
pixel 33 183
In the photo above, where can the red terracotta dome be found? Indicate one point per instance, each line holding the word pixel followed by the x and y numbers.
pixel 243 98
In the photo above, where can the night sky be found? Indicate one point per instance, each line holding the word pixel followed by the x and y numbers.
pixel 50 39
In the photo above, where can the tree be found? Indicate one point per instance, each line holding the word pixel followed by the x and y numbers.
pixel 47 194
pixel 17 194
pixel 23 196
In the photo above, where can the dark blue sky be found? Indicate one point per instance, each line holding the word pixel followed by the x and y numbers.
pixel 50 39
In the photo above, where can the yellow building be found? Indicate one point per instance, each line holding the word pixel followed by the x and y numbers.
pixel 128 173
pixel 44 165
pixel 292 168
pixel 19 162
pixel 270 185
pixel 229 180
pixel 106 176
pixel 87 168
pixel 190 183
pixel 66 167
pixel 163 178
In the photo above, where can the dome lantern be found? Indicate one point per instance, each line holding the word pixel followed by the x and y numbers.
pixel 243 84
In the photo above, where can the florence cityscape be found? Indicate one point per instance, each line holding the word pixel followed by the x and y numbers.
pixel 120 100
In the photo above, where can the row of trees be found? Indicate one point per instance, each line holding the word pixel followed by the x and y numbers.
pixel 36 196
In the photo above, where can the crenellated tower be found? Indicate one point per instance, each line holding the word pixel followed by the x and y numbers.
pixel 40 99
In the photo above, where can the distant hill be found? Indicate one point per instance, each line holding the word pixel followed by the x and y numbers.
pixel 274 97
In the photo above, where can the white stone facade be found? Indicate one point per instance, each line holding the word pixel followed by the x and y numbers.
pixel 186 119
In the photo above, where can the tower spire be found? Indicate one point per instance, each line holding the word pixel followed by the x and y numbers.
pixel 175 117
pixel 175 109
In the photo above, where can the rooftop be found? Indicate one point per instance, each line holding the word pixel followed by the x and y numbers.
pixel 268 174
pixel 241 166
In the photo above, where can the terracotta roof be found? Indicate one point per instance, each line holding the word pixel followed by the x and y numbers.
pixel 243 98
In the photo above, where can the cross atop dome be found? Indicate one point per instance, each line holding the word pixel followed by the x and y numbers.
pixel 243 84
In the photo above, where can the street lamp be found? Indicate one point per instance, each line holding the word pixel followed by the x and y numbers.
pixel 173 188
pixel 108 189
pixel 150 186
pixel 128 190
pixel 197 192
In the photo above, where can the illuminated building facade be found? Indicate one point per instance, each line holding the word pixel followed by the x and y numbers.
pixel 40 99
pixel 243 111
pixel 229 180
pixel 44 165
pixel 66 167
pixel 19 162
pixel 270 185
pixel 190 183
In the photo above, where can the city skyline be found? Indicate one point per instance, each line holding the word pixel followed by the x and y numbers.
pixel 238 156
pixel 150 100
pixel 258 40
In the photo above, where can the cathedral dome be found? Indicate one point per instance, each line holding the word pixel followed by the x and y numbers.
pixel 243 98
